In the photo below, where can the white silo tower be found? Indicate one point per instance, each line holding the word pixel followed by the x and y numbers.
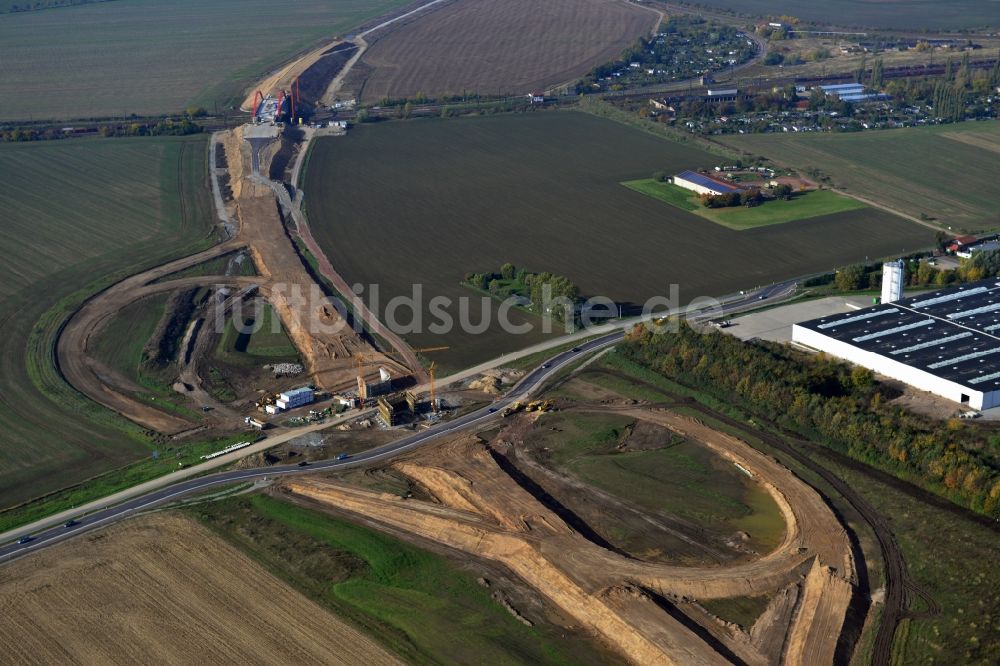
pixel 892 281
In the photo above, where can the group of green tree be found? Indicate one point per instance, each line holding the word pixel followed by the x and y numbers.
pixel 918 270
pixel 830 403
pixel 780 30
pixel 167 127
pixel 749 198
pixel 161 128
pixel 540 288
pixel 164 127
pixel 961 92
pixel 47 4
pixel 957 94
pixel 686 46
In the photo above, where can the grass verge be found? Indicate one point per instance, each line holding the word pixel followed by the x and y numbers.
pixel 802 206
pixel 420 605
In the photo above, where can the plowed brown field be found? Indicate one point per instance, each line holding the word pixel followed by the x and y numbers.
pixel 163 589
pixel 514 46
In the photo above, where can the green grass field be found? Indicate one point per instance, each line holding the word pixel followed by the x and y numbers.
pixel 120 344
pixel 744 611
pixel 949 557
pixel 420 605
pixel 79 215
pixel 150 57
pixel 679 478
pixel 945 172
pixel 947 554
pixel 234 263
pixel 542 190
pixel 909 14
pixel 801 207
pixel 263 340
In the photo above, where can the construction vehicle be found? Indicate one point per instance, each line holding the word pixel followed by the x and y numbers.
pixel 511 409
pixel 538 406
pixel 265 400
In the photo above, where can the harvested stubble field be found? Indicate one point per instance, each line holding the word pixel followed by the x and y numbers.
pixel 135 56
pixel 163 589
pixel 489 47
pixel 946 172
pixel 77 212
pixel 427 201
pixel 897 14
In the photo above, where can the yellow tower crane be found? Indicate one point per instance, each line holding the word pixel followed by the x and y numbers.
pixel 430 371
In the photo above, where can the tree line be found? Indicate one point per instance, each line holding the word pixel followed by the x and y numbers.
pixel 831 403
pixel 918 273
pixel 748 198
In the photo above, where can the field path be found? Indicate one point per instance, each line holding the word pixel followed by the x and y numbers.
pixel 876 204
pixel 660 16
pixel 511 48
pixel 362 44
pixel 888 209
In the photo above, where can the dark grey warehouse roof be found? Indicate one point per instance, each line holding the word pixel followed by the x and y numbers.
pixel 953 333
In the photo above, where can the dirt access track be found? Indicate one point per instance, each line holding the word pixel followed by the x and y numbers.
pixel 647 611
pixel 331 348
pixel 163 589
pixel 314 61
pixel 510 47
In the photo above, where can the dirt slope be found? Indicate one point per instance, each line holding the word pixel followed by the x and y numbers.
pixel 162 589
pixel 480 510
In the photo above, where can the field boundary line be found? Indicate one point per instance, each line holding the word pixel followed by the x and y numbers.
pixel 887 208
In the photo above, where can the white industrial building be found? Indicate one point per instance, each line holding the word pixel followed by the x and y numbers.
pixel 946 343
pixel 703 184
pixel 292 399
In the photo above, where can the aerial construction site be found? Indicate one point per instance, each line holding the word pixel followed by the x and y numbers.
pixel 614 444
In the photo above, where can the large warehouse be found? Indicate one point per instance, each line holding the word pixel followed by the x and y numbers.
pixel 703 184
pixel 947 342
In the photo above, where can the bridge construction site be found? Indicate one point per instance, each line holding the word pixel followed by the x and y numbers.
pixel 277 108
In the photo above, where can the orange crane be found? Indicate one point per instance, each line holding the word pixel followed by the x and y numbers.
pixel 365 357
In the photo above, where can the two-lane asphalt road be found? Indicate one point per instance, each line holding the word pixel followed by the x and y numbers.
pixel 528 385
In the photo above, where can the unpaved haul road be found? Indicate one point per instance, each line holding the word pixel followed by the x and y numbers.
pixel 165 489
pixel 149 500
